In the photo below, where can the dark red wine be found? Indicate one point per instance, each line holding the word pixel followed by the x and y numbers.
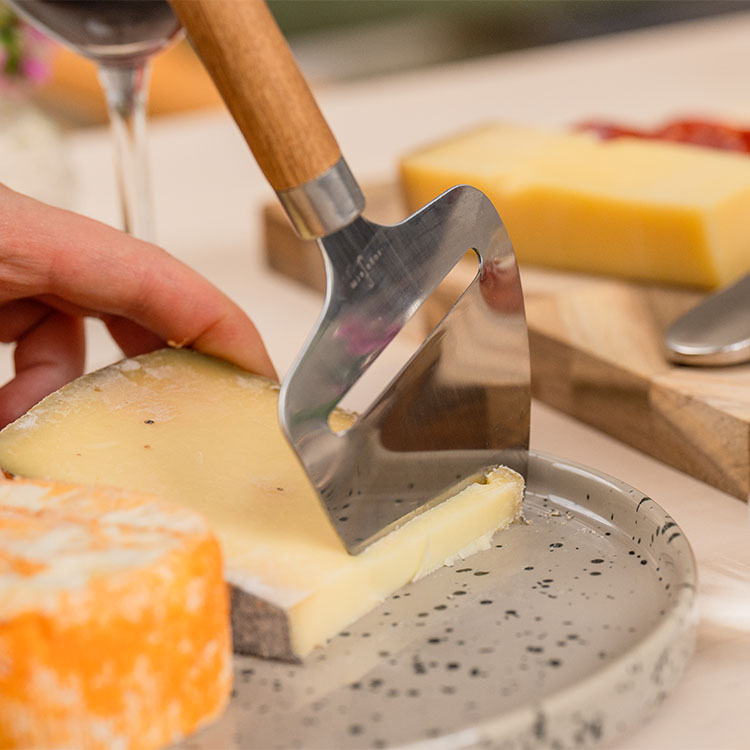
pixel 104 30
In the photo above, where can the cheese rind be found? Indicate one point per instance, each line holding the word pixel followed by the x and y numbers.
pixel 646 210
pixel 114 627
pixel 200 432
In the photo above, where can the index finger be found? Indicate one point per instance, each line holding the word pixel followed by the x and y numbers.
pixel 50 251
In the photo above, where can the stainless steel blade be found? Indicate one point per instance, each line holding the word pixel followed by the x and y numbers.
pixel 461 404
pixel 716 332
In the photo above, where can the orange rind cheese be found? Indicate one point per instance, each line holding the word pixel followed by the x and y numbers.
pixel 114 629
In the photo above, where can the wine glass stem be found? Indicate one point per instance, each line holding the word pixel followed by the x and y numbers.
pixel 126 89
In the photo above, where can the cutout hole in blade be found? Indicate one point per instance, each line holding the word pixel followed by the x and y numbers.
pixel 398 352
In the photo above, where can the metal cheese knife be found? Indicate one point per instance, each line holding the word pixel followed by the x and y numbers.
pixel 716 332
pixel 460 406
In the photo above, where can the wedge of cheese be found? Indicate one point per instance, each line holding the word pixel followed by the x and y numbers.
pixel 114 623
pixel 646 210
pixel 202 433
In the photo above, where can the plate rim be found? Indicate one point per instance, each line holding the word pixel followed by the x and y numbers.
pixel 679 621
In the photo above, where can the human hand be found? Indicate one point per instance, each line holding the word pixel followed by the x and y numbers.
pixel 57 267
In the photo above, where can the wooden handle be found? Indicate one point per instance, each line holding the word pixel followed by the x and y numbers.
pixel 249 60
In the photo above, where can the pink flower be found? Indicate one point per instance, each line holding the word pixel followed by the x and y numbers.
pixel 36 70
pixel 24 51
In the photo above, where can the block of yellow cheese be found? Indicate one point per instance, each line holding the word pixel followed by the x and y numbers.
pixel 647 210
pixel 202 433
pixel 114 623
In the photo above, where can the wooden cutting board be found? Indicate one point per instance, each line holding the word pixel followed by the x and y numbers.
pixel 596 354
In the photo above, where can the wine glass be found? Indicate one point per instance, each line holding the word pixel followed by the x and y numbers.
pixel 120 36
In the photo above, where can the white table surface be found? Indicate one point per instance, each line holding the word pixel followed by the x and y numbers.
pixel 208 193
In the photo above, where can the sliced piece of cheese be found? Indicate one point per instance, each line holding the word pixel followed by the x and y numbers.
pixel 647 210
pixel 114 621
pixel 205 434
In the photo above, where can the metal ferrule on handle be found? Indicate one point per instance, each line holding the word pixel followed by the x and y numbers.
pixel 326 204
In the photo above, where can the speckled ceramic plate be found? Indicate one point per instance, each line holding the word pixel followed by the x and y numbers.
pixel 567 633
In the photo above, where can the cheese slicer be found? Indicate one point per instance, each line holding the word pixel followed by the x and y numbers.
pixel 460 405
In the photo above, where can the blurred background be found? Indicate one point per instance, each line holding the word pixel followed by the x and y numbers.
pixel 335 39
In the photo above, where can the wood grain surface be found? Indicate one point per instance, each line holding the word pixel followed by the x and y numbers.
pixel 596 354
